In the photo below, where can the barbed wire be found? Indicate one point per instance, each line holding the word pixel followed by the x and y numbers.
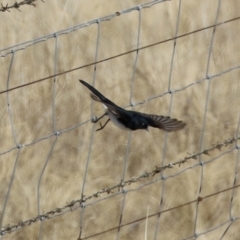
pixel 120 188
pixel 17 5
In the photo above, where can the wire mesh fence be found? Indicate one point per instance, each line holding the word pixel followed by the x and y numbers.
pixel 62 180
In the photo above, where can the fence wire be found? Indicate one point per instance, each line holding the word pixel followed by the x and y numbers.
pixel 119 214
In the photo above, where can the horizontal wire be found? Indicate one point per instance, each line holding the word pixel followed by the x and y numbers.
pixel 118 55
pixel 81 202
pixel 74 28
pixel 199 199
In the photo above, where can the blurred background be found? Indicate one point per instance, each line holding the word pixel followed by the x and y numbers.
pixel 60 179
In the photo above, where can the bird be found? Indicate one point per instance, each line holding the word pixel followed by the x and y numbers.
pixel 132 120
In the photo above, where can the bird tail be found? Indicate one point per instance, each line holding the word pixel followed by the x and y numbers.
pixel 96 95
pixel 99 96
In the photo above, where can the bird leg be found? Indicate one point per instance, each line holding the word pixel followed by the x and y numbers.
pixel 99 118
pixel 102 126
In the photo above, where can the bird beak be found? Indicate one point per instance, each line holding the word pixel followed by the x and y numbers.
pixel 147 129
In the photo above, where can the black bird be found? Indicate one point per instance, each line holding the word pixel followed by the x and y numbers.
pixel 131 120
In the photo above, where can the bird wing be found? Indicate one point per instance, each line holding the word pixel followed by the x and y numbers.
pixel 119 112
pixel 165 123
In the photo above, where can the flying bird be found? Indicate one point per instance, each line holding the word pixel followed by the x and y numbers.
pixel 132 120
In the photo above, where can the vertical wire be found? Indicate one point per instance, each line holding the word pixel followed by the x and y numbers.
pixel 92 134
pixel 54 131
pixel 8 101
pixel 39 184
pixel 130 134
pixel 166 134
pixel 14 138
pixel 231 217
pixel 9 188
pixel 54 84
pixel 205 115
pixel 174 45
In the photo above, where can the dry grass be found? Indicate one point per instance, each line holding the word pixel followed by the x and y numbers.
pixel 56 165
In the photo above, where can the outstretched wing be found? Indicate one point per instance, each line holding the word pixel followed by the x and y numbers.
pixel 126 117
pixel 165 123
